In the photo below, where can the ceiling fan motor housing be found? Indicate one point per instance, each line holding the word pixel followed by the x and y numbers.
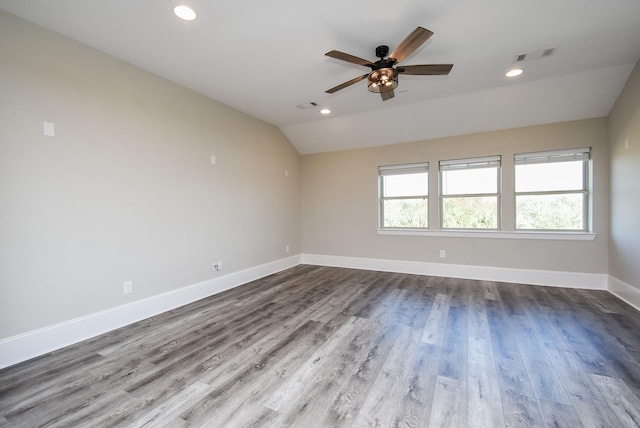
pixel 382 51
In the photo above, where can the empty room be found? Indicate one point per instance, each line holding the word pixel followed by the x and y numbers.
pixel 342 214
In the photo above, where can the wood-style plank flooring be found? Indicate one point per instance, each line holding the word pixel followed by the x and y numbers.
pixel 328 347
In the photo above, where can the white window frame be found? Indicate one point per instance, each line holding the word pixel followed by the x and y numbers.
pixel 564 155
pixel 471 163
pixel 386 170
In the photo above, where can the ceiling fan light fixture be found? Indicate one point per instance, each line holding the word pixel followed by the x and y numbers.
pixel 383 80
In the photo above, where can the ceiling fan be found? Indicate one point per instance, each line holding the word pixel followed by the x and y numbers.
pixel 383 78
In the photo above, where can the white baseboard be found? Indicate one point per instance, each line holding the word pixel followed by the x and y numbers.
pixel 624 291
pixel 28 345
pixel 591 281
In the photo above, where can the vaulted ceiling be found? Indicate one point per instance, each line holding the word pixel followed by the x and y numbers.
pixel 267 58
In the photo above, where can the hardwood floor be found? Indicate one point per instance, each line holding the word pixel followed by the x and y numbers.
pixel 328 347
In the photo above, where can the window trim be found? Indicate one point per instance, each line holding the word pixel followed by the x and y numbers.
pixel 400 169
pixel 511 233
pixel 493 234
pixel 556 156
pixel 470 163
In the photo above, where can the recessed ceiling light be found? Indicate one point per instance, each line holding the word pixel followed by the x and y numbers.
pixel 514 72
pixel 184 12
pixel 325 111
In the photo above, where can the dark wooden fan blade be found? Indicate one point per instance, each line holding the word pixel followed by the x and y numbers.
pixel 349 58
pixel 411 43
pixel 387 95
pixel 426 70
pixel 345 84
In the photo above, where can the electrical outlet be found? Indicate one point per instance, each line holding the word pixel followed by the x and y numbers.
pixel 443 254
pixel 286 248
pixel 217 265
pixel 128 287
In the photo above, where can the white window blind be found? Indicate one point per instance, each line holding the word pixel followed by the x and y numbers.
pixel 566 155
pixel 414 168
pixel 484 162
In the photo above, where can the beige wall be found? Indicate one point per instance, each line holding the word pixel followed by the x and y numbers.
pixel 339 201
pixel 125 190
pixel 624 146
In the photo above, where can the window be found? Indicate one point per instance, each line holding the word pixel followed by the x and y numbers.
pixel 404 196
pixel 552 190
pixel 470 193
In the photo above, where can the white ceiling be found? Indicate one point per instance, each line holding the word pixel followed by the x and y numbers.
pixel 264 58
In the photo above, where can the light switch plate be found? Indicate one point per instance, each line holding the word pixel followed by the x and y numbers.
pixel 128 287
pixel 49 129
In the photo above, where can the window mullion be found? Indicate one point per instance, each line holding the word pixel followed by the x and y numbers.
pixel 470 195
pixel 553 192
pixel 392 198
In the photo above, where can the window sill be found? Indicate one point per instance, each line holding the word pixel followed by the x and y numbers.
pixel 492 234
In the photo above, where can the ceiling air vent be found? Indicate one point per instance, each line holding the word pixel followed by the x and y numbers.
pixel 305 106
pixel 530 56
